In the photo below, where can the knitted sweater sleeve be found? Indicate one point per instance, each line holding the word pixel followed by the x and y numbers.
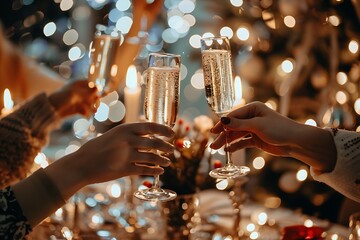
pixel 22 135
pixel 345 178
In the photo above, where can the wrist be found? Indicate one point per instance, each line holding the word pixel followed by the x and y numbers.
pixel 66 175
pixel 315 147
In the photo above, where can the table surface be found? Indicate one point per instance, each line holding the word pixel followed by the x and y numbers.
pixel 216 221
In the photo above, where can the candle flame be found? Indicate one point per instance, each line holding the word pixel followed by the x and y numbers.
pixel 131 77
pixel 8 102
pixel 238 88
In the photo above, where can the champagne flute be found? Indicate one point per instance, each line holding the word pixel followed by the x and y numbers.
pixel 219 91
pixel 161 106
pixel 103 69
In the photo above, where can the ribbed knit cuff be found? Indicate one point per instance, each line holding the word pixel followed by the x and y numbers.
pixel 345 178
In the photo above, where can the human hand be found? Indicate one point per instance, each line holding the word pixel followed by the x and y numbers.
pixel 256 125
pixel 75 97
pixel 122 151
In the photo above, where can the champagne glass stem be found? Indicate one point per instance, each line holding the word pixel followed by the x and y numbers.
pixel 229 161
pixel 156 183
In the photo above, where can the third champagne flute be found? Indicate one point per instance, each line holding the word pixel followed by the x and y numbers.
pixel 161 106
pixel 219 91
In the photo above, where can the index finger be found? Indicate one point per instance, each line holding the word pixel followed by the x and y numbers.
pixel 250 110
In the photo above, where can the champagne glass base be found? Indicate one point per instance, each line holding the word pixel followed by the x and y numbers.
pixel 155 194
pixel 229 171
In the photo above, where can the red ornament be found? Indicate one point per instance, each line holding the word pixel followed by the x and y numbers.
pixel 217 164
pixel 179 143
pixel 302 232
pixel 180 122
pixel 147 184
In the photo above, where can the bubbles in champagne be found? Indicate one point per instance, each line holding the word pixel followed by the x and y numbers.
pixel 162 95
pixel 218 79
pixel 103 70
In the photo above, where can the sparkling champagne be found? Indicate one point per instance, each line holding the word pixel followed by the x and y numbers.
pixel 103 70
pixel 162 95
pixel 218 79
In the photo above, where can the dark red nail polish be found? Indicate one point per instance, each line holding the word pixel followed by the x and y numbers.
pixel 225 120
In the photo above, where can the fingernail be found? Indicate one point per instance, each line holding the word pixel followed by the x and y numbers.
pixel 225 120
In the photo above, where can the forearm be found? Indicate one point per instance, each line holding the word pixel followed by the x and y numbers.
pixel 314 146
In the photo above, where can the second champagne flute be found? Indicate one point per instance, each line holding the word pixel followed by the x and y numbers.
pixel 219 91
pixel 103 69
pixel 161 106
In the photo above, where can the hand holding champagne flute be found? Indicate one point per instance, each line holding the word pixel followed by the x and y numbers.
pixel 219 91
pixel 161 106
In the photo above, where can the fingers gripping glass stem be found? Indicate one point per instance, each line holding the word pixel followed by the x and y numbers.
pixel 229 170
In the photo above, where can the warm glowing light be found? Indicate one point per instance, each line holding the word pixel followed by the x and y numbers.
pixel 102 112
pixel 74 53
pixel 238 88
pixel 334 20
pixel 335 236
pixel 287 66
pixel 59 212
pixel 123 5
pixel 49 29
pixel 65 5
pixel 341 97
pixel 327 116
pixel 226 31
pixel 357 106
pixel 262 218
pixel 114 190
pixel 341 78
pixel 259 163
pixel 131 77
pixel 190 19
pixel 250 227
pixel 207 34
pixel 301 175
pixel 353 46
pixel 311 122
pixel 70 37
pixel 289 21
pixel 222 184
pixel 8 102
pixel 194 41
pixel 272 202
pixel 186 6
pixel 308 223
pixel 124 24
pixel 41 160
pixel 237 3
pixel 243 33
pixel 271 104
pixel 197 80
pixel 254 235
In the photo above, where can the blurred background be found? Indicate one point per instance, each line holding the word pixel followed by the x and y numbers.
pixel 299 57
